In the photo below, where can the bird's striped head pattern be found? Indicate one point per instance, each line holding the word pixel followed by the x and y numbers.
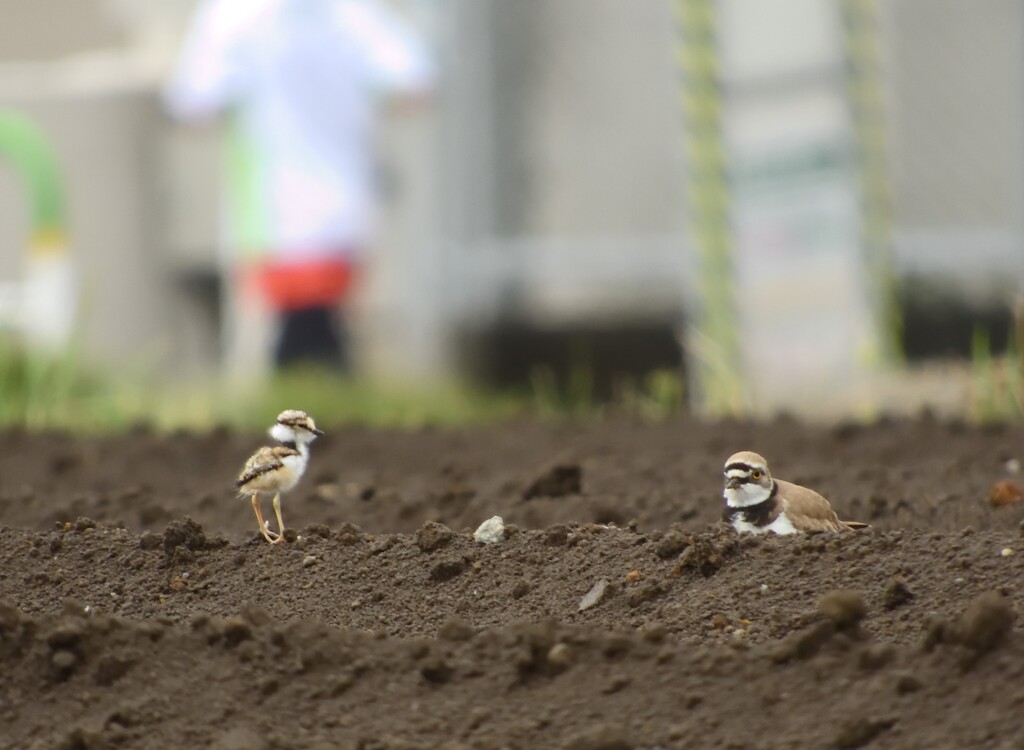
pixel 295 426
pixel 747 479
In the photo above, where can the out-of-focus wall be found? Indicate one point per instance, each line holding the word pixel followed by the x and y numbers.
pixel 40 30
pixel 587 131
pixel 954 78
pixel 568 153
pixel 544 184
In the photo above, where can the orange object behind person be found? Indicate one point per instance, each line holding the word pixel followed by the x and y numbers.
pixel 298 285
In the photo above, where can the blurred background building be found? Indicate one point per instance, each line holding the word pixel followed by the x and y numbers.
pixel 543 209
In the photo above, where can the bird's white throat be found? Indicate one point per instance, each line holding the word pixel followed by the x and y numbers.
pixel 282 433
pixel 746 495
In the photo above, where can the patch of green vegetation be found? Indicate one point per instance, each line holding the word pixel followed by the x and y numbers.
pixel 658 395
pixel 997 382
pixel 48 390
pixel 39 391
pixel 333 400
pixel 57 391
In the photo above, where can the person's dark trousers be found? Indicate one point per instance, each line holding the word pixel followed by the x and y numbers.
pixel 312 336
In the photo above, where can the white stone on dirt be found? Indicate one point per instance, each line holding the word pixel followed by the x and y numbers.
pixel 559 656
pixel 490 531
pixel 594 596
pixel 1007 551
pixel 1013 466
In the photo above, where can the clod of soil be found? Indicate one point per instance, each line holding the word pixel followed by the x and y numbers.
pixel 185 533
pixel 844 608
pixel 433 536
pixel 982 627
pixel 897 594
pixel 558 481
pixel 986 623
pixel 858 731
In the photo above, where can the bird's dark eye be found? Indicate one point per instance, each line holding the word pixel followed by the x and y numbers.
pixel 755 474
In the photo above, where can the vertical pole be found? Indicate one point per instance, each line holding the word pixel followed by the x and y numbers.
pixel 712 341
pixel 861 31
pixel 47 297
pixel 26 148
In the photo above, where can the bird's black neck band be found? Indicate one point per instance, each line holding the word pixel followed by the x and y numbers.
pixel 290 444
pixel 759 514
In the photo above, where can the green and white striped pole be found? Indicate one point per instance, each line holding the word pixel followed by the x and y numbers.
pixel 861 29
pixel 46 299
pixel 712 341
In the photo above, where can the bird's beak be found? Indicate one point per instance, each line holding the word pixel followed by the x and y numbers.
pixel 732 483
pixel 318 433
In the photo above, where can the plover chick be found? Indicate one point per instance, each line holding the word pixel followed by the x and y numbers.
pixel 278 468
pixel 756 503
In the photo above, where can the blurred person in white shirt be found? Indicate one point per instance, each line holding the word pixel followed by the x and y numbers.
pixel 302 82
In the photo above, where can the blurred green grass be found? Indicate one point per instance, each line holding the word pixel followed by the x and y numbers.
pixel 997 382
pixel 57 391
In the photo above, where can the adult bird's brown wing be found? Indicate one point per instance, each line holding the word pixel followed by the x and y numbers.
pixel 806 509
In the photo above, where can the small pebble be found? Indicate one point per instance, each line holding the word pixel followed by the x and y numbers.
pixel 1007 552
pixel 490 531
pixel 594 596
pixel 309 560
pixel 1013 466
pixel 560 656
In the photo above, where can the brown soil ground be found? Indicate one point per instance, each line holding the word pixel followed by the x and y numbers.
pixel 127 625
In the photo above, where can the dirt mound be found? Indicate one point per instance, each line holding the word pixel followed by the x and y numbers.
pixel 250 681
pixel 143 609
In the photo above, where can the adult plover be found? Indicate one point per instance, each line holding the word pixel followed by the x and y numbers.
pixel 278 468
pixel 756 503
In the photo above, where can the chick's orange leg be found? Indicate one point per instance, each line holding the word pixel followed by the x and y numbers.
pixel 280 521
pixel 267 533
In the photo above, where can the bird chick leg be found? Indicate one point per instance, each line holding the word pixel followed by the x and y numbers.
pixel 259 517
pixel 280 521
